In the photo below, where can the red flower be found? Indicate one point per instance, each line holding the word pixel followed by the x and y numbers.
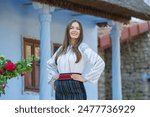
pixel 1 71
pixel 10 66
pixel 22 74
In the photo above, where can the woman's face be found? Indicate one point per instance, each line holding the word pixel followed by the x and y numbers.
pixel 74 30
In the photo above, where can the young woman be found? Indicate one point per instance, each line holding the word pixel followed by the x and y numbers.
pixel 68 63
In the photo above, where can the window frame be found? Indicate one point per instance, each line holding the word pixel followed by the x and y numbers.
pixel 27 87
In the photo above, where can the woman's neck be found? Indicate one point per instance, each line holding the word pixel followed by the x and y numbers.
pixel 73 41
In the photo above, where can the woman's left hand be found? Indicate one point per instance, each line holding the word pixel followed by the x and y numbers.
pixel 78 77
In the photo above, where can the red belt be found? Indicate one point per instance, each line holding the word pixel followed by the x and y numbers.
pixel 66 76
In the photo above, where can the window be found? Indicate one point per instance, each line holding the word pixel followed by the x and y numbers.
pixel 32 79
pixel 55 47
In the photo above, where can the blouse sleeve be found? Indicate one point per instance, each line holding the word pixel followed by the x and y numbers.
pixel 52 68
pixel 97 62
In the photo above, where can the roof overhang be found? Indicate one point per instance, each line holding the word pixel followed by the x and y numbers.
pixel 118 10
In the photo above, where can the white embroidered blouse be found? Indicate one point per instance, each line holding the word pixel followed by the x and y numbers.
pixel 66 64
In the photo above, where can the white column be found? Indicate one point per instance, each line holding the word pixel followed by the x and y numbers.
pixel 45 51
pixel 116 70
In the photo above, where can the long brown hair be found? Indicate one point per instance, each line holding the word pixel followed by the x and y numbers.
pixel 67 41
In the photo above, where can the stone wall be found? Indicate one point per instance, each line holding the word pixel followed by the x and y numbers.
pixel 135 61
pixel 101 88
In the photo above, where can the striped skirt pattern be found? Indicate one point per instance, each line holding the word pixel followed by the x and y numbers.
pixel 70 90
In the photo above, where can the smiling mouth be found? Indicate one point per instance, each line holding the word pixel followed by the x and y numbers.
pixel 74 34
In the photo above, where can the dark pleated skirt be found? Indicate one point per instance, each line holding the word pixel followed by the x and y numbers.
pixel 70 90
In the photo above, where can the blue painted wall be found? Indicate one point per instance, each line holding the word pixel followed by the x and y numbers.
pixel 18 21
pixel 10 43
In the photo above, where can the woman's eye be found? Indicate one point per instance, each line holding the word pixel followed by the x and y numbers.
pixel 78 28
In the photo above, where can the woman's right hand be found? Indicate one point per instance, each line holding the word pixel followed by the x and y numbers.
pixel 56 76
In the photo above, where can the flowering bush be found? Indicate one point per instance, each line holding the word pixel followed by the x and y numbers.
pixel 9 70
